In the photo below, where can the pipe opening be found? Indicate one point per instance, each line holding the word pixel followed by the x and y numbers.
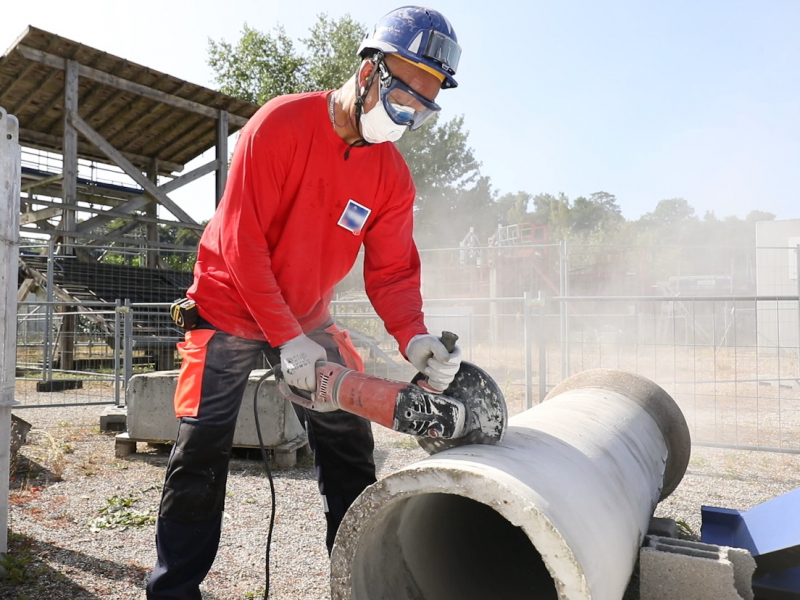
pixel 447 547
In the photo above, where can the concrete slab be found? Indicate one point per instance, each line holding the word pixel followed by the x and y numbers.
pixel 151 416
pixel 672 568
pixel 113 418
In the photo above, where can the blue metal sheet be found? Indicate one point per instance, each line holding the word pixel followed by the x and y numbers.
pixel 770 531
pixel 783 585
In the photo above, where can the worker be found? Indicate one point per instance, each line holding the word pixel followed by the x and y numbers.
pixel 312 180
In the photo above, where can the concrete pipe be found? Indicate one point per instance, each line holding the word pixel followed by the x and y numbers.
pixel 558 510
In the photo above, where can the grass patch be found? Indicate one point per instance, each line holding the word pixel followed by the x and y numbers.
pixel 19 567
pixel 118 513
pixel 685 531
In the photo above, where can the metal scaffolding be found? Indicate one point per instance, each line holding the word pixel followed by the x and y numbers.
pixel 88 110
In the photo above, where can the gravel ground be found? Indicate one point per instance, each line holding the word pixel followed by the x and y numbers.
pixel 67 473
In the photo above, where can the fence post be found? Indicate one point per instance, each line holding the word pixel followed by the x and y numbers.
pixel 128 340
pixel 117 349
pixel 528 341
pixel 567 291
pixel 10 173
pixel 564 292
pixel 797 267
pixel 542 348
pixel 47 351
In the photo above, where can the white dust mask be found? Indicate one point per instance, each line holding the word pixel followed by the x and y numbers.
pixel 377 126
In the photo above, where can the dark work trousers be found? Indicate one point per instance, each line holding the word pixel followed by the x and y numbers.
pixel 190 516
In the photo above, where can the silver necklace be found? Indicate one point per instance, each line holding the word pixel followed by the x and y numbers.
pixel 330 109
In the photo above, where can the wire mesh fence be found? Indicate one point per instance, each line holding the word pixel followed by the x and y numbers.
pixel 78 337
pixel 724 345
pixel 66 354
pixel 735 385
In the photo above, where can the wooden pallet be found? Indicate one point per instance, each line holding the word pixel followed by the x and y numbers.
pixel 285 454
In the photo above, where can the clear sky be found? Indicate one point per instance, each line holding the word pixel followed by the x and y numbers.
pixel 645 100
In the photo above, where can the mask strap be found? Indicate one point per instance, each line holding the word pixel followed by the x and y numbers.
pixel 361 97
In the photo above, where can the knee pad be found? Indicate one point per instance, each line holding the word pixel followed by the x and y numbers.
pixel 194 489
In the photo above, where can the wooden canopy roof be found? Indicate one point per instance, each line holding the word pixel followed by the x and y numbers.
pixel 143 113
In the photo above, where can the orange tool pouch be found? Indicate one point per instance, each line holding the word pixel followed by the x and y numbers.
pixel 190 380
pixel 352 359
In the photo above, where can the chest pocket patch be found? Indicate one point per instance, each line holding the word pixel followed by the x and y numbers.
pixel 354 217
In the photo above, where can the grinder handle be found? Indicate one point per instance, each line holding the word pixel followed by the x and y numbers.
pixel 449 340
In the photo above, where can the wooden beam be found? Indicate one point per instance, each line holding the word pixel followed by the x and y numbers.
pixel 140 202
pixel 152 257
pixel 44 110
pixel 222 154
pixel 127 85
pixel 109 238
pixel 15 80
pixel 150 111
pixel 40 182
pixel 40 215
pixel 178 129
pixel 90 94
pixel 109 101
pixel 26 288
pixel 69 183
pixel 123 163
pixel 87 118
pixel 58 119
pixel 25 99
pixel 182 129
pixel 124 112
pixel 45 141
pixel 41 281
pixel 114 213
pixel 194 134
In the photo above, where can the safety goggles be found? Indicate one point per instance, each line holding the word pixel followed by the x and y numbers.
pixel 399 100
pixel 443 50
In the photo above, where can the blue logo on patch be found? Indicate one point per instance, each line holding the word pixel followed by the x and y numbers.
pixel 354 217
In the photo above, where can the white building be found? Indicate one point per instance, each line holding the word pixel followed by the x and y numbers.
pixel 777 275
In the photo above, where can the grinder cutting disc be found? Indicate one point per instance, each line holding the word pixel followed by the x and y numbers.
pixel 487 415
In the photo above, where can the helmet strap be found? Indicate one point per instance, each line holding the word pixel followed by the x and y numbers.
pixel 361 92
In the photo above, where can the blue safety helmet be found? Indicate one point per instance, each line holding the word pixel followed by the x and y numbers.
pixel 422 36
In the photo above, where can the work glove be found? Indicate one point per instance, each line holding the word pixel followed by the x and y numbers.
pixel 298 359
pixel 429 356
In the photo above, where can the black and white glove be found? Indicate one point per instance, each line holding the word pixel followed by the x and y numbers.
pixel 299 357
pixel 429 356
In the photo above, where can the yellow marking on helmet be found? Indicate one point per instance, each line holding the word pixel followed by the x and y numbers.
pixel 424 67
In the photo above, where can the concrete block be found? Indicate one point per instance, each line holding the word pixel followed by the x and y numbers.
pixel 19 433
pixel 113 418
pixel 672 569
pixel 151 416
pixel 663 527
pixel 124 446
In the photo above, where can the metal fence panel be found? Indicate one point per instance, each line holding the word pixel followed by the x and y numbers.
pixel 735 386
pixel 725 345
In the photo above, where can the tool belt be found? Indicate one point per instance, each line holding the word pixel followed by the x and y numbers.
pixel 184 312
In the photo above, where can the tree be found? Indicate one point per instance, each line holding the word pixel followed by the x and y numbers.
pixel 447 175
pixel 669 213
pixel 448 182
pixel 515 208
pixel 598 213
pixel 332 48
pixel 260 66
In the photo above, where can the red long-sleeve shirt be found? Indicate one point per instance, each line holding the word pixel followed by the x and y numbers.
pixel 274 250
